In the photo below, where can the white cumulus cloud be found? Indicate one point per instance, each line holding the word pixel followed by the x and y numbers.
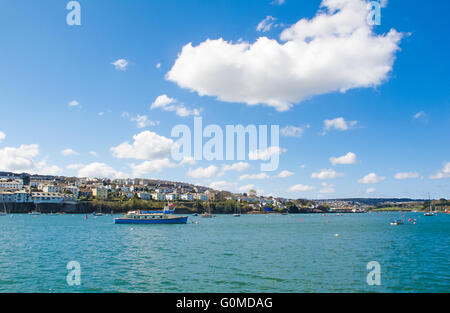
pixel 172 105
pixel 69 152
pixel 444 173
pixel 284 174
pixel 142 121
pixel 201 172
pixel 349 158
pixel 370 190
pixel 337 50
pixel 338 124
pixel 146 145
pixel 371 178
pixel 149 167
pixel 238 167
pixel 2 136
pixel 301 188
pixel 326 174
pixel 246 188
pixel 100 170
pixel 21 159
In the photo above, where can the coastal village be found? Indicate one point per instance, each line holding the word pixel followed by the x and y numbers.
pixel 70 192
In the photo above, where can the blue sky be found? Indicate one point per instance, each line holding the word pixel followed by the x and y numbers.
pixel 402 122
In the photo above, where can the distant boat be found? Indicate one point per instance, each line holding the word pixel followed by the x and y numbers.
pixel 34 213
pixel 236 214
pixel 397 223
pixel 97 214
pixel 195 214
pixel 206 215
pixel 431 213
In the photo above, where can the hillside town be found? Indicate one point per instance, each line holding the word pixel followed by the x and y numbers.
pixel 39 189
pixel 42 190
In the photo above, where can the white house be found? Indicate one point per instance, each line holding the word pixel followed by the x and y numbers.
pixel 187 196
pixel 158 196
pixel 172 196
pixel 144 195
pixel 11 183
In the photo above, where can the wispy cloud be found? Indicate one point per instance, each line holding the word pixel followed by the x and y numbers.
pixel 339 124
pixel 74 104
pixel 326 174
pixel 294 131
pixel 172 105
pixel 120 64
pixel 266 24
pixel 406 175
pixel 254 176
pixel 69 152
pixel 444 173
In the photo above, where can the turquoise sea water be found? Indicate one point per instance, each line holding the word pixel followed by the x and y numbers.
pixel 251 253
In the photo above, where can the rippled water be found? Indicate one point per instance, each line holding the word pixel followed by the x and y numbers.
pixel 252 253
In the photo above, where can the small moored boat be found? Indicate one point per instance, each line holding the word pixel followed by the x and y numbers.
pixel 397 222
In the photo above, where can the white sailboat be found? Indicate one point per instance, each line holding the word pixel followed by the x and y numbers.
pixel 4 210
pixel 431 211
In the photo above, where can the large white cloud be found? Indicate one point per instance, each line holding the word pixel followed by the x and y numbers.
pixel 100 170
pixel 335 51
pixel 147 145
pixel 148 167
pixel 21 159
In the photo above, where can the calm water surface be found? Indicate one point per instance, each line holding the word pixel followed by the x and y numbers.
pixel 253 253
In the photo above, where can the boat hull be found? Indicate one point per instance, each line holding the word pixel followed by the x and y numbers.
pixel 175 220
